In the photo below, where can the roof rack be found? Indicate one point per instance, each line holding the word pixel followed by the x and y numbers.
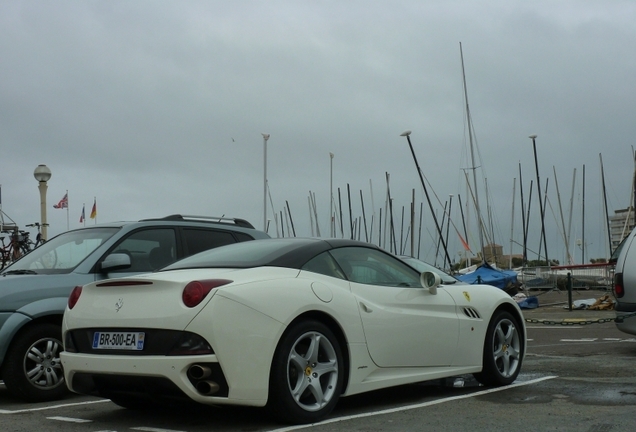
pixel 235 221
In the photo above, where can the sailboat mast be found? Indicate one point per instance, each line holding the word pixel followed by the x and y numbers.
pixel 583 220
pixel 609 232
pixel 571 257
pixel 512 219
pixel 565 236
pixel 472 158
pixel 523 219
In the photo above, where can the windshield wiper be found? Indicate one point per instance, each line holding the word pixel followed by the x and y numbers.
pixel 19 272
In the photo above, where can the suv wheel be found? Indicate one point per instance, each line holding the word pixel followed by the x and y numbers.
pixel 32 368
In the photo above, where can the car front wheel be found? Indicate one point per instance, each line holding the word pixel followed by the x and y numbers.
pixel 307 374
pixel 503 350
pixel 32 369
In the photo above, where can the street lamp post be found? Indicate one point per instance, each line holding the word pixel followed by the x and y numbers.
pixel 265 138
pixel 533 137
pixel 42 174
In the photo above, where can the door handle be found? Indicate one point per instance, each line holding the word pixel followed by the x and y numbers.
pixel 365 308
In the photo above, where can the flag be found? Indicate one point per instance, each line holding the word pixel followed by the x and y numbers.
pixel 466 247
pixel 82 215
pixel 63 202
pixel 94 211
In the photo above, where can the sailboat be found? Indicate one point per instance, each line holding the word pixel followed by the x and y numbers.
pixel 484 273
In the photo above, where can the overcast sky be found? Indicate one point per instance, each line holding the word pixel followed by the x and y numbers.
pixel 157 107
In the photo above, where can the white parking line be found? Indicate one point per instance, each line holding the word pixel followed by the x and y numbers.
pixel 597 339
pixel 410 407
pixel 69 419
pixel 560 327
pixel 51 407
pixel 150 429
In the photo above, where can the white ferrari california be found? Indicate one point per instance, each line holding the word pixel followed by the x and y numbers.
pixel 291 324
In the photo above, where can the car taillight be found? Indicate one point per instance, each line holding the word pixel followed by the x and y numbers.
pixel 195 291
pixel 619 289
pixel 74 297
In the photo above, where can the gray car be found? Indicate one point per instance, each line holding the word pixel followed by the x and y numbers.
pixel 625 284
pixel 34 290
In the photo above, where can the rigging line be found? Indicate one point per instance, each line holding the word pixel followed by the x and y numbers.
pixel 481 226
pixel 472 154
pixel 440 202
pixel 561 233
pixel 564 236
pixel 311 216
pixel 530 250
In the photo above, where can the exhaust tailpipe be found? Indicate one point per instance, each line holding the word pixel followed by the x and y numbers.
pixel 199 372
pixel 207 387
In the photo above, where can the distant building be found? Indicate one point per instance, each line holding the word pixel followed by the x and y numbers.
pixel 494 255
pixel 621 224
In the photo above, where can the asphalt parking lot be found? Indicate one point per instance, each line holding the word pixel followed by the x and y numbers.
pixel 576 377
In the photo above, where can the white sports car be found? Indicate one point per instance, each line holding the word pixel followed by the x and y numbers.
pixel 291 324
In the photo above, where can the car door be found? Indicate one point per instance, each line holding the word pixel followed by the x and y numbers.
pixel 404 324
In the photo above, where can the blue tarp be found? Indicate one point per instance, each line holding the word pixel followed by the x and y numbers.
pixel 485 274
pixel 528 303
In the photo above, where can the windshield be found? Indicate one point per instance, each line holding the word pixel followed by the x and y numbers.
pixel 62 253
pixel 422 267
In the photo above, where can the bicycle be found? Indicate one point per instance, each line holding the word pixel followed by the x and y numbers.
pixel 38 238
pixel 12 251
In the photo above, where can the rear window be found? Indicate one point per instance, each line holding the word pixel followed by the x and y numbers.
pixel 199 240
pixel 619 248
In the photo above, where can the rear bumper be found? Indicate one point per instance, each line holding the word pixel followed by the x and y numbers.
pixel 624 310
pixel 624 307
pixel 159 376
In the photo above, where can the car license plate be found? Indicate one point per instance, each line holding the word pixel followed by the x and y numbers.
pixel 133 341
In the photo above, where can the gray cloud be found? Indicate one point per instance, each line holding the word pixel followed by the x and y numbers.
pixel 157 107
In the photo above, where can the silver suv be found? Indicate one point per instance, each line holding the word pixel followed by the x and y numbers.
pixel 34 290
pixel 625 284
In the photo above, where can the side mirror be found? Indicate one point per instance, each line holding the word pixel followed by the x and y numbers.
pixel 431 281
pixel 115 261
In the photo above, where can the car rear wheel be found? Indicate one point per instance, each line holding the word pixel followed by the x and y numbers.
pixel 503 350
pixel 307 374
pixel 32 368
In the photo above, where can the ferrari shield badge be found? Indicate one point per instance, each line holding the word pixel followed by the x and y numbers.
pixel 467 295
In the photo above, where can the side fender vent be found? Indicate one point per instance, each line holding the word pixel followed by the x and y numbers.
pixel 471 313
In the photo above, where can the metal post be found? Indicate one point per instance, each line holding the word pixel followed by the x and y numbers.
pixel 42 174
pixel 570 291
pixel 265 138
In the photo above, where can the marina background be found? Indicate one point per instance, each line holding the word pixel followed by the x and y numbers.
pixel 158 108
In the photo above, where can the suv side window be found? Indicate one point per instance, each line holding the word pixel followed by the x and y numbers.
pixel 199 240
pixel 148 249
